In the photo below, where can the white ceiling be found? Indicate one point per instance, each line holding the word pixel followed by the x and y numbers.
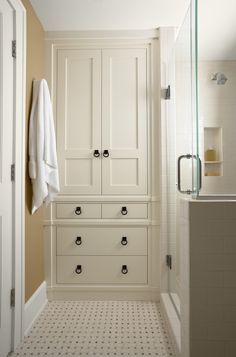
pixel 217 19
pixel 73 15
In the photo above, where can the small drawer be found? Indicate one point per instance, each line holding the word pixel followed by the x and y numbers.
pixel 101 241
pixel 125 210
pixel 78 210
pixel 101 270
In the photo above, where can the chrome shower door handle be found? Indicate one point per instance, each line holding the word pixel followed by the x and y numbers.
pixel 180 158
pixel 188 157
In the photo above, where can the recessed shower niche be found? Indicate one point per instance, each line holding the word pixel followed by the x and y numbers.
pixel 213 152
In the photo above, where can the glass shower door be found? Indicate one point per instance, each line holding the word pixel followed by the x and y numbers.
pixel 183 173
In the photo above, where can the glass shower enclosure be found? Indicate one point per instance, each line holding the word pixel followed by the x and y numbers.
pixel 201 128
pixel 217 93
pixel 184 164
pixel 201 119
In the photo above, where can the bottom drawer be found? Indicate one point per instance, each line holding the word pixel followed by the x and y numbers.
pixel 101 270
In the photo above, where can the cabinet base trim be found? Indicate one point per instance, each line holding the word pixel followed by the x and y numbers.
pixel 103 293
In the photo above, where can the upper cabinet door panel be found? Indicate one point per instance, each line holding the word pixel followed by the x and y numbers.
pixel 79 120
pixel 124 121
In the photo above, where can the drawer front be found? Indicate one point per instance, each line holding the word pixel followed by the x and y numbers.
pixel 101 270
pixel 78 211
pixel 101 241
pixel 125 210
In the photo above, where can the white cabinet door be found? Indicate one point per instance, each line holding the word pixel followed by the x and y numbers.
pixel 124 121
pixel 79 120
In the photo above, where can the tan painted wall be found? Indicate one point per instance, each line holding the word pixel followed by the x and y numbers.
pixel 34 272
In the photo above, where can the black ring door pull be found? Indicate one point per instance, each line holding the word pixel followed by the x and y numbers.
pixel 78 241
pixel 124 211
pixel 106 153
pixel 124 241
pixel 96 153
pixel 124 269
pixel 78 211
pixel 78 269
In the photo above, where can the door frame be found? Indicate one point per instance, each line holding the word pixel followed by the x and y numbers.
pixel 18 256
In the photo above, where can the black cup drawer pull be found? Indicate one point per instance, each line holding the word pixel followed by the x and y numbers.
pixel 124 241
pixel 78 269
pixel 78 241
pixel 78 211
pixel 96 153
pixel 106 153
pixel 124 211
pixel 124 269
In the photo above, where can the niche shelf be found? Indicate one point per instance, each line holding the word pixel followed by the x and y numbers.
pixel 213 151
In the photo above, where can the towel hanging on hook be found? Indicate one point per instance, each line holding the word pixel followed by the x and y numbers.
pixel 43 169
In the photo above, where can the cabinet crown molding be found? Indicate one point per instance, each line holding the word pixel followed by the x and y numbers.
pixel 103 34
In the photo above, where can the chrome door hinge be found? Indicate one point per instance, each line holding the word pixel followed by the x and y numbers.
pixel 13 172
pixel 13 48
pixel 13 297
pixel 169 261
pixel 167 93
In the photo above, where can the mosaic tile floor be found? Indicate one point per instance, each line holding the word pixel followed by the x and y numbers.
pixel 98 328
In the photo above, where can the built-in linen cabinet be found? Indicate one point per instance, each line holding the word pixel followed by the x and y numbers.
pixel 78 117
pixel 213 151
pixel 102 121
pixel 124 121
pixel 99 239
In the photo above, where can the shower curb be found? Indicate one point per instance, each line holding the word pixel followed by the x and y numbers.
pixel 172 322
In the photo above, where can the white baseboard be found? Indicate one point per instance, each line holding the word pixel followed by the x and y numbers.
pixel 103 293
pixel 34 307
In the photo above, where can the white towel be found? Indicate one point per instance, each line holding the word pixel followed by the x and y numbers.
pixel 43 169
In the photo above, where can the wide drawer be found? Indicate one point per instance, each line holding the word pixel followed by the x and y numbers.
pixel 78 210
pixel 101 270
pixel 101 241
pixel 125 210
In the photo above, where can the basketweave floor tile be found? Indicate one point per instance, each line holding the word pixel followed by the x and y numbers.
pixel 98 328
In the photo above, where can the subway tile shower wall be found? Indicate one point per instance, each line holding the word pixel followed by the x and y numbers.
pixel 212 251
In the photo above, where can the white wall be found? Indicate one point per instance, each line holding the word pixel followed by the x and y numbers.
pixel 217 29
